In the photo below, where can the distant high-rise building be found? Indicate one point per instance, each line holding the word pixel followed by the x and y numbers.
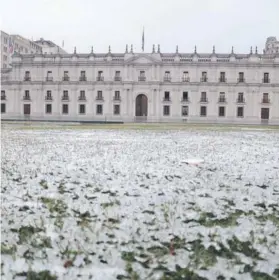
pixel 271 46
pixel 48 47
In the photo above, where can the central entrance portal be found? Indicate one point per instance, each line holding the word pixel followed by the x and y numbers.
pixel 141 107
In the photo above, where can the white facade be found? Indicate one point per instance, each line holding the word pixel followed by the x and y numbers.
pixel 271 46
pixel 48 47
pixel 151 87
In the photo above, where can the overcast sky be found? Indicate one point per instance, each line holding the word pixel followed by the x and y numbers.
pixel 186 23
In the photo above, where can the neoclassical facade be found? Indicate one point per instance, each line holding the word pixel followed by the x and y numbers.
pixel 145 87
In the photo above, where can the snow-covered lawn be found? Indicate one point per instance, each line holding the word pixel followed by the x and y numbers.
pixel 120 204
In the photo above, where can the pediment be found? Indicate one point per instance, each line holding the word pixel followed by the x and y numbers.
pixel 142 59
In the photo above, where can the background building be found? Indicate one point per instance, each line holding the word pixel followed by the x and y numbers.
pixel 271 45
pixel 48 47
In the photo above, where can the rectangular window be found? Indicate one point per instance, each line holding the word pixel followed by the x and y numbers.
pixel 3 108
pixel 48 95
pixel 185 96
pixel 116 109
pixel 117 76
pixel 203 97
pixel 117 73
pixel 241 77
pixel 65 95
pixel 185 76
pixel 117 95
pixel 264 113
pixel 26 95
pixel 240 112
pixel 82 76
pixel 167 96
pixel 222 77
pixel 222 111
pixel 26 109
pixel 99 95
pixel 266 78
pixel 142 73
pixel 82 108
pixel 48 109
pixel 240 97
pixel 3 95
pixel 185 111
pixel 166 110
pixel 99 109
pixel 203 111
pixel 66 76
pixel 222 97
pixel 65 109
pixel 265 98
pixel 204 77
pixel 49 76
pixel 82 95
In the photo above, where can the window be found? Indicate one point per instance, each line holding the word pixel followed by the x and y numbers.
pixel 116 109
pixel 203 111
pixel 65 109
pixel 142 76
pixel 204 77
pixel 3 108
pixel 185 96
pixel 167 96
pixel 66 76
pixel 222 97
pixel 264 113
pixel 48 95
pixel 222 77
pixel 3 95
pixel 48 108
pixel 49 76
pixel 185 76
pixel 5 49
pixel 203 97
pixel 167 76
pixel 241 77
pixel 117 95
pixel 166 110
pixel 117 76
pixel 82 95
pixel 82 76
pixel 26 95
pixel 100 76
pixel 99 95
pixel 185 111
pixel 266 78
pixel 82 108
pixel 265 98
pixel 5 40
pixel 222 111
pixel 240 112
pixel 240 98
pixel 99 109
pixel 27 76
pixel 26 109
pixel 5 58
pixel 65 95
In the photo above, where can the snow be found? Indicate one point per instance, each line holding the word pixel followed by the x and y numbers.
pixel 138 193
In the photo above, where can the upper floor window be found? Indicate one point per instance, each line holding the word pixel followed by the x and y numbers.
pixel 142 76
pixel 185 96
pixel 185 76
pixel 26 95
pixel 222 97
pixel 203 97
pixel 27 76
pixel 266 78
pixel 5 58
pixel 3 95
pixel 48 95
pixel 167 96
pixel 82 76
pixel 100 76
pixel 49 76
pixel 117 95
pixel 204 77
pixel 5 40
pixel 117 76
pixel 66 76
pixel 5 49
pixel 241 77
pixel 222 78
pixel 240 97
pixel 65 95
pixel 82 95
pixel 99 95
pixel 265 98
pixel 167 77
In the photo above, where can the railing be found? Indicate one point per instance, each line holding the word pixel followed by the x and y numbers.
pixel 241 80
pixel 166 99
pixel 65 98
pixel 82 98
pixel 82 79
pixel 222 100
pixel 100 78
pixel 48 98
pixel 49 79
pixel 266 80
pixel 142 79
pixel 204 100
pixel 204 79
pixel 26 98
pixel 3 97
pixel 240 100
pixel 167 79
pixel 184 99
pixel 222 80
pixel 27 78
pixel 117 79
pixel 66 78
pixel 265 100
pixel 100 98
pixel 185 80
pixel 117 98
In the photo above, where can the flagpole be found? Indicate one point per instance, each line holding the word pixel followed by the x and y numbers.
pixel 142 46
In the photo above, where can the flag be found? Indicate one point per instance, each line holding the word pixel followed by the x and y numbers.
pixel 11 46
pixel 142 45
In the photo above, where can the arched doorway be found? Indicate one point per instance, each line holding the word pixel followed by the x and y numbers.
pixel 141 105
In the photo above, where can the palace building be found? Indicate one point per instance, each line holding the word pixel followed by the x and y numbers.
pixel 143 87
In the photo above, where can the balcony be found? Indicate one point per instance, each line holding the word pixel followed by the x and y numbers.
pixel 142 79
pixel 204 79
pixel 48 98
pixel 65 98
pixel 240 100
pixel 203 100
pixel 266 100
pixel 167 79
pixel 66 79
pixel 222 100
pixel 241 80
pixel 81 98
pixel 49 79
pixel 266 80
pixel 82 79
pixel 26 97
pixel 116 98
pixel 166 99
pixel 100 98
pixel 222 80
pixel 3 97
pixel 185 79
pixel 117 79
pixel 100 78
pixel 185 99
pixel 27 79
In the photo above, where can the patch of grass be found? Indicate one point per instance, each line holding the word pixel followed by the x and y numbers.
pixel 8 249
pixel 256 275
pixel 26 232
pixel 41 242
pixel 43 183
pixel 158 251
pixel 128 256
pixel 55 205
pixel 42 275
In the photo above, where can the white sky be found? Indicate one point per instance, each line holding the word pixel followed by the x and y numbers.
pixel 186 23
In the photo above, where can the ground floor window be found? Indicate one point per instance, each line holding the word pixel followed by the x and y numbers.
pixel 116 109
pixel 26 109
pixel 203 111
pixel 264 113
pixel 82 108
pixel 99 109
pixel 166 110
pixel 222 111
pixel 185 111
pixel 3 108
pixel 240 112
pixel 48 108
pixel 65 109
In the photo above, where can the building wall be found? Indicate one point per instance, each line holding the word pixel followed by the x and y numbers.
pixel 155 65
pixel 5 55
